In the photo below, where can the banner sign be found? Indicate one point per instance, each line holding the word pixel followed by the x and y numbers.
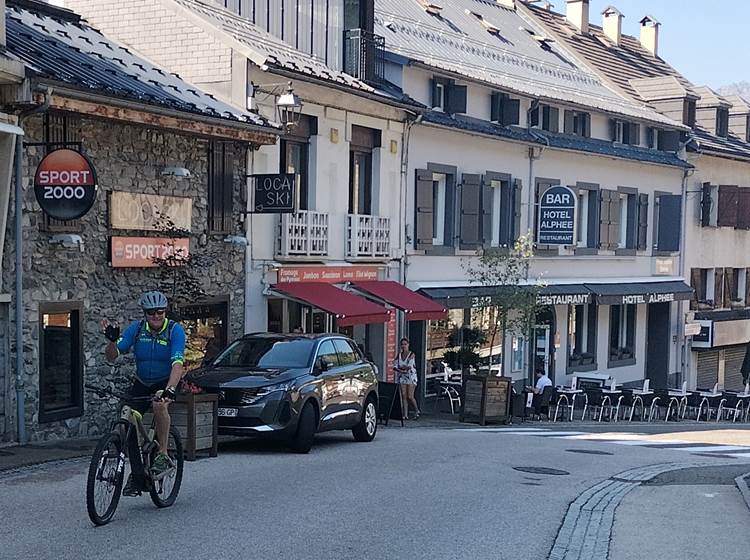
pixel 65 184
pixel 141 211
pixel 273 193
pixel 332 274
pixel 557 211
pixel 140 252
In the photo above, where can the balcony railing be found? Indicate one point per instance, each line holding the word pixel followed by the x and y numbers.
pixel 368 237
pixel 364 55
pixel 303 234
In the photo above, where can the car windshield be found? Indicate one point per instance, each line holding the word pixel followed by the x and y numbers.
pixel 269 353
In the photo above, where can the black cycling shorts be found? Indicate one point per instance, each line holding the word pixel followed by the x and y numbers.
pixel 140 390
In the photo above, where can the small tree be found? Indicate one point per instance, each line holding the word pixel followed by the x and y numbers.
pixel 515 295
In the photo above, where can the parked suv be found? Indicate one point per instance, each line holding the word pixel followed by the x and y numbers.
pixel 293 386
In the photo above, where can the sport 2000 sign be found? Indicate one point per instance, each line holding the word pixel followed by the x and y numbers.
pixel 65 184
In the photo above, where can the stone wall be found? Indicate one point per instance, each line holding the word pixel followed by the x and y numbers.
pixel 126 158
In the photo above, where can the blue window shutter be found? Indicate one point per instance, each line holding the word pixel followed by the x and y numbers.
pixel 670 222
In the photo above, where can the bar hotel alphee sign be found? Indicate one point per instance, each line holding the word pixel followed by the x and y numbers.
pixel 65 184
pixel 557 212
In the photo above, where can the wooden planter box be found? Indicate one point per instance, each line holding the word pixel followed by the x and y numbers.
pixel 486 399
pixel 197 420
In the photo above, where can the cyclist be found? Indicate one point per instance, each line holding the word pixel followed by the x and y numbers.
pixel 158 344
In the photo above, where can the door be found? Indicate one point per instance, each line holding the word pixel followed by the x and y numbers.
pixel 334 387
pixel 657 345
pixel 540 356
pixel 353 373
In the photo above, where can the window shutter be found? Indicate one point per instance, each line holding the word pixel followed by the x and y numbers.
pixel 456 102
pixel 506 214
pixel 534 117
pixel 634 134
pixel 517 193
pixel 592 312
pixel 728 195
pixel 568 125
pixel 718 286
pixel 695 283
pixel 706 203
pixel 670 213
pixel 435 102
pixel 469 215
pixel 613 130
pixel 642 222
pixel 614 220
pixel 487 196
pixel 605 199
pixel 510 111
pixel 496 103
pixel 554 119
pixel 423 219
pixel 651 137
pixel 669 140
pixel 227 188
pixel 592 239
pixel 743 208
pixel 632 231
pixel 747 286
pixel 728 284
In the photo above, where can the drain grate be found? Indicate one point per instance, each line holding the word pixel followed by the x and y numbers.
pixel 541 470
pixel 589 451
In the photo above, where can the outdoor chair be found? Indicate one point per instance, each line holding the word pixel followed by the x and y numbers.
pixel 709 404
pixel 541 402
pixel 596 401
pixel 561 400
pixel 644 402
pixel 729 405
pixel 670 404
pixel 624 403
pixel 518 405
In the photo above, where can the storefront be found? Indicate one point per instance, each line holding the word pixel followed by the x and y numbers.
pixel 718 351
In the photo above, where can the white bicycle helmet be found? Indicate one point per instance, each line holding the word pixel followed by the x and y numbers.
pixel 153 300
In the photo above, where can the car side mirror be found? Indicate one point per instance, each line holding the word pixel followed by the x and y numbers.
pixel 322 365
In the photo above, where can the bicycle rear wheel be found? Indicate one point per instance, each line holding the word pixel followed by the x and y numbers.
pixel 104 482
pixel 164 491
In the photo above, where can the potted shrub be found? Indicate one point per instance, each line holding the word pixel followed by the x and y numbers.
pixel 587 358
pixel 575 359
pixel 626 353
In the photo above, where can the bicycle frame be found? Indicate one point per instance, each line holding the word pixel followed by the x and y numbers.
pixel 138 455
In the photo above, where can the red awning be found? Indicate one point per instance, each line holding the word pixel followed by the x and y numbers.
pixel 350 309
pixel 416 306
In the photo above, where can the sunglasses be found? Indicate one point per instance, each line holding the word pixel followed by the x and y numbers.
pixel 152 312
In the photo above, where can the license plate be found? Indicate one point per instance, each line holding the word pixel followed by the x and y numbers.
pixel 228 412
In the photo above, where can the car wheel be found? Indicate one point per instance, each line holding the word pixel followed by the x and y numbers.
pixel 302 440
pixel 367 426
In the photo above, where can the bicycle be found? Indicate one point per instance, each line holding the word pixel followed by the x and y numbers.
pixel 107 468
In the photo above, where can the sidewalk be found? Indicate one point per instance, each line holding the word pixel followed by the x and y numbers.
pixel 17 456
pixel 688 514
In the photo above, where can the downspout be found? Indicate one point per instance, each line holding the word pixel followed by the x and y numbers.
pixel 20 392
pixel 403 261
pixel 684 356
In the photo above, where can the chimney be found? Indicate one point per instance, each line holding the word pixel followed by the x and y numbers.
pixel 650 34
pixel 577 13
pixel 612 24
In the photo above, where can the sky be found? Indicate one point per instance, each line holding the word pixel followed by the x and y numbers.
pixel 706 40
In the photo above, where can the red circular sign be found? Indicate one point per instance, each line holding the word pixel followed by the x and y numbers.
pixel 65 184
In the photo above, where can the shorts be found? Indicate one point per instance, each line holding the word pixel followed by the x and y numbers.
pixel 140 390
pixel 407 378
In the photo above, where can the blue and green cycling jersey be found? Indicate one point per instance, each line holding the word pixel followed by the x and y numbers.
pixel 155 352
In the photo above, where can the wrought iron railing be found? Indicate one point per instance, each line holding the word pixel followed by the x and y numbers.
pixel 364 55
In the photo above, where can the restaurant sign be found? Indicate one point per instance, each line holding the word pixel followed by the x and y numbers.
pixel 143 212
pixel 332 274
pixel 557 211
pixel 65 184
pixel 563 299
pixel 140 252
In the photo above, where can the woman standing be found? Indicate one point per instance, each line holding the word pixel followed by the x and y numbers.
pixel 406 377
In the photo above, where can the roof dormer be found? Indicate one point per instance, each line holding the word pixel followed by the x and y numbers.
pixel 712 112
pixel 739 117
pixel 670 96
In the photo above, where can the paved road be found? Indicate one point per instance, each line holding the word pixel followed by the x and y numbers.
pixel 412 493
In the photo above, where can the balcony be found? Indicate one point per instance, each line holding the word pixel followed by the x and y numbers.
pixel 368 237
pixel 364 56
pixel 303 235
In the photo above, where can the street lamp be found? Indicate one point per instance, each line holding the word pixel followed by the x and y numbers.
pixel 289 108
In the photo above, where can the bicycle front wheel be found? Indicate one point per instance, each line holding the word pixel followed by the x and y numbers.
pixel 164 491
pixel 104 482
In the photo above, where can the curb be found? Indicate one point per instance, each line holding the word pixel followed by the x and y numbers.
pixel 586 529
pixel 741 482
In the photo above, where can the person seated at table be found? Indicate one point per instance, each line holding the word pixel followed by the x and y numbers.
pixel 542 381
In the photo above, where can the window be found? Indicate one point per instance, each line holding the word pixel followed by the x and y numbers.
pixel 652 138
pixel 699 282
pixel 627 202
pixel 267 352
pixel 688 112
pixel 624 132
pixel 60 361
pixel 582 337
pixel 734 287
pixel 363 142
pixel 294 160
pixel 205 327
pixel 61 130
pixel 438 204
pixel 622 335
pixel 550 118
pixel 447 96
pixel 587 216
pixel 578 123
pixel 327 353
pixel 220 187
pixel 517 349
pixel 504 110
pixel 347 355
pixel 722 122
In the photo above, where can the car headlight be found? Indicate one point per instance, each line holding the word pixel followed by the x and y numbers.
pixel 267 390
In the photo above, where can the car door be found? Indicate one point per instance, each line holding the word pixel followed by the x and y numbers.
pixel 351 366
pixel 333 387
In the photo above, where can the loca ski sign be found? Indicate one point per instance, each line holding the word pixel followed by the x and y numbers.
pixel 65 184
pixel 557 216
pixel 274 193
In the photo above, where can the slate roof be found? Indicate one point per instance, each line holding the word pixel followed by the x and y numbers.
pixel 661 87
pixel 556 140
pixel 729 146
pixel 709 98
pixel 57 44
pixel 740 105
pixel 504 49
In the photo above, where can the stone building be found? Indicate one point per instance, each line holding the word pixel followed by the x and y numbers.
pixel 162 150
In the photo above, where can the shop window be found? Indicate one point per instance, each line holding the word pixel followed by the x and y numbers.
pixel 581 337
pixel 276 315
pixel 443 337
pixel 206 331
pixel 622 335
pixel 61 130
pixel 220 187
pixel 485 320
pixel 60 361
pixel 518 348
